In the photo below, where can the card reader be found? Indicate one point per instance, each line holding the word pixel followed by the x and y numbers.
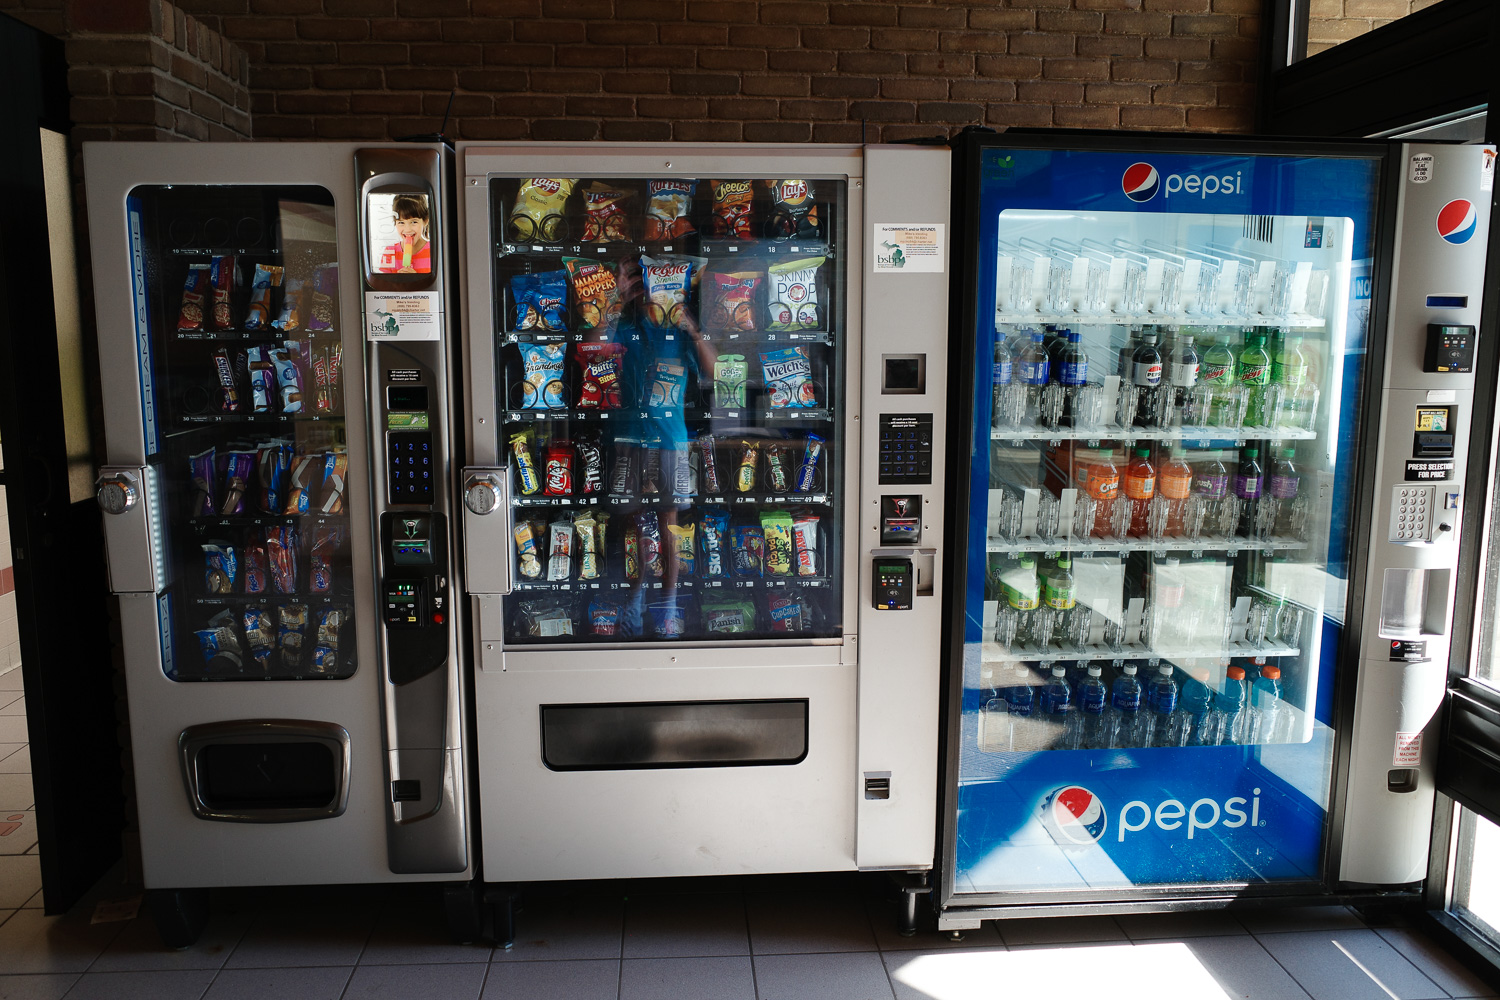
pixel 893 584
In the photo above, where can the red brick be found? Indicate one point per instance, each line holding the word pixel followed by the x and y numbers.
pixel 597 106
pixel 1077 22
pixel 94 82
pixel 950 111
pixel 335 29
pixel 1211 72
pixel 974 41
pixel 883 63
pixel 802 62
pixel 933 17
pixel 131 83
pixel 794 13
pixel 1133 22
pixel 1178 48
pixel 464 105
pixel 982 90
pixel 420 79
pixel 191 126
pixel 776 86
pixel 111 16
pixel 506 8
pixel 913 89
pixel 1146 70
pixel 383 104
pixel 636 131
pixel 705 83
pixel 312 104
pixel 637 83
pixel 842 132
pixel 777 132
pixel 671 107
pixel 1086 116
pixel 1247 49
pixel 1075 69
pixel 706 131
pixel 1118 93
pixel 815 110
pixel 743 108
pixel 446 54
pixel 283 127
pixel 739 11
pixel 565 81
pixel 618 33
pixel 1009 67
pixel 845 86
pixel 1049 93
pixel 403 30
pixel 577 8
pixel 591 56
pixel 517 54
pixel 904 39
pixel 694 34
pixel 549 32
pixel 1019 114
pixel 313 53
pixel 1109 4
pixel 872 14
pixel 351 128
pixel 764 36
pixel 883 111
pixel 1001 20
pixel 367 53
pixel 736 59
pixel 656 11
pixel 493 129
pixel 433 8
pixel 565 130
pixel 1179 6
pixel 896 133
pixel 1205 24
pixel 659 56
pixel 189 71
pixel 1034 43
pixel 1222 119
pixel 272 28
pixel 470 30
pixel 1185 93
pixel 1155 116
pixel 325 78
pixel 1111 46
pixel 840 38
pixel 1237 6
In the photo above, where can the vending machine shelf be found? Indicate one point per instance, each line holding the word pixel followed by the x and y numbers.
pixel 1300 321
pixel 1202 437
pixel 671 500
pixel 1231 546
pixel 994 652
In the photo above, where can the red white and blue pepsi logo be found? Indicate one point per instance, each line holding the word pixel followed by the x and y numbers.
pixel 1141 182
pixel 1457 221
pixel 1073 815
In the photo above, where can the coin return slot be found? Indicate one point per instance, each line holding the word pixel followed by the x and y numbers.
pixel 406 790
pixel 877 784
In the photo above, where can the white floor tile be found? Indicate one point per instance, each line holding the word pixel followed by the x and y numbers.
pixel 1349 965
pixel 36 987
pixel 279 984
pixel 17 831
pixel 31 942
pixel 1119 971
pixel 333 937
pixel 138 947
pixel 1435 963
pixel 551 927
pixel 417 982
pixel 685 925
pixel 417 935
pixel 180 985
pixel 20 879
pixel 582 979
pixel 831 976
pixel 786 923
pixel 16 792
pixel 17 759
pixel 680 978
pixel 1244 969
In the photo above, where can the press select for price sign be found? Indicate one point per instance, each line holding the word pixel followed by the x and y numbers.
pixel 1432 445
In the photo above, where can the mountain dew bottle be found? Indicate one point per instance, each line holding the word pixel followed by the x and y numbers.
pixel 1255 374
pixel 1218 370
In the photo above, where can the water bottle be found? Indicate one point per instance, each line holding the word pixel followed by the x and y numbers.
pixel 1283 485
pixel 1229 709
pixel 1020 702
pixel 1093 700
pixel 1000 378
pixel 1165 721
pixel 1073 373
pixel 994 718
pixel 1267 717
pixel 1197 710
pixel 1056 704
pixel 1035 367
pixel 1126 721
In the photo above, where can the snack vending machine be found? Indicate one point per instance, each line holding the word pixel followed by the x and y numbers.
pixel 1204 537
pixel 273 322
pixel 682 364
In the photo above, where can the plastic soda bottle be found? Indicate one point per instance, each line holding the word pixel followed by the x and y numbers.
pixel 1174 482
pixel 1093 700
pixel 1073 372
pixel 1145 375
pixel 1218 370
pixel 1229 709
pixel 1100 479
pixel 1139 484
pixel 1254 372
pixel 1247 487
pixel 1125 702
pixel 1184 369
pixel 1268 717
pixel 1283 485
pixel 1034 371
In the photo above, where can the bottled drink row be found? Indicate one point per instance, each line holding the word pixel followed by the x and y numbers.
pixel 1165 376
pixel 1149 493
pixel 1188 606
pixel 1132 706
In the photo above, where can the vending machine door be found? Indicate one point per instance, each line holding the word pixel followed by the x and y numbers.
pixel 1162 370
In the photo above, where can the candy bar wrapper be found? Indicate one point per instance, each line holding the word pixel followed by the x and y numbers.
pixel 713 539
pixel 667 285
pixel 728 614
pixel 528 562
pixel 291 628
pixel 219 644
pixel 306 470
pixel 596 291
pixel 559 478
pixel 267 277
pixel 204 471
pixel 543 387
pixel 272 461
pixel 684 547
pixel 194 295
pixel 606 220
pixel 221 568
pixel 262 378
pixel 222 277
pixel 684 471
pixel 623 477
pixel 325 291
pixel 732 298
pixel 230 399
pixel 793 211
pixel 589 536
pixel 730 375
pixel 651 554
pixel 292 306
pixel 793 295
pixel 287 360
pixel 668 381
pixel 548 617
pixel 667 207
pixel 237 471
pixel 560 551
pixel 260 635
pixel 328 365
pixel 605 618
pixel 732 203
pixel 590 464
pixel 281 553
pixel 745 476
pixel 776 477
pixel 807 474
pixel 257 572
pixel 669 618
pixel 601 369
pixel 805 537
pixel 777 528
pixel 335 471
pixel 326 650
pixel 326 541
pixel 632 548
pixel 520 449
pixel 749 551
pixel 651 467
pixel 788 377
pixel 538 211
pixel 788 614
pixel 709 463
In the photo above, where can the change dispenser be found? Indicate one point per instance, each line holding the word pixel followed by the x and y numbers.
pixel 1406 634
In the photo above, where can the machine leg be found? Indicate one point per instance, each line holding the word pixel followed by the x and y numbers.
pixel 179 914
pixel 906 926
pixel 502 901
pixel 910 885
pixel 463 907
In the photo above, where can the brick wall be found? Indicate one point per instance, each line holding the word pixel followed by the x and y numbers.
pixel 1330 22
pixel 751 70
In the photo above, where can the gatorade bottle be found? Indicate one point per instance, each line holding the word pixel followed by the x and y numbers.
pixel 1139 484
pixel 1127 720
pixel 1267 716
pixel 1229 709
pixel 1174 482
pixel 1197 710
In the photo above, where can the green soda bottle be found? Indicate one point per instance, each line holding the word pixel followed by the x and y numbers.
pixel 1218 370
pixel 1254 372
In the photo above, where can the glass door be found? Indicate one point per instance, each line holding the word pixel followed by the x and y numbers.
pixel 670 386
pixel 240 335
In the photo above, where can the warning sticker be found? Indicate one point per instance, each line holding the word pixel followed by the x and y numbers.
pixel 1408 750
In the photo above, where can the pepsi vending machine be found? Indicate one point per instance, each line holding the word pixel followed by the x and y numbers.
pixel 1200 560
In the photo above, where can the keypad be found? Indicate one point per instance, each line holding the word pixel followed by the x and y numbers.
pixel 411 468
pixel 1411 513
pixel 905 448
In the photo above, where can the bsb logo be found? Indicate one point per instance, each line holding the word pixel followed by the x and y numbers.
pixel 1141 181
pixel 1076 817
pixel 1457 221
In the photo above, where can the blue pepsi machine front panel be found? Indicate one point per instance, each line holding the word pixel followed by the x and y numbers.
pixel 1061 819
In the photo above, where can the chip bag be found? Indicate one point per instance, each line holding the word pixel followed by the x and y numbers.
pixel 667 283
pixel 601 370
pixel 543 388
pixel 731 299
pixel 788 377
pixel 667 209
pixel 793 295
pixel 538 211
pixel 541 301
pixel 793 211
pixel 597 293
pixel 732 203
pixel 606 220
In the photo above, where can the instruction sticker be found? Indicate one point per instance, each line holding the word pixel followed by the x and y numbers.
pixel 910 249
pixel 1421 168
pixel 1487 171
pixel 402 316
pixel 1408 750
pixel 1429 471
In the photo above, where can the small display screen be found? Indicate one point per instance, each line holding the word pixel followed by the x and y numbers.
pixel 1447 302
pixel 400 228
pixel 406 398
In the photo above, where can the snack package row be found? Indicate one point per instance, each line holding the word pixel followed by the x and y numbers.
pixel 736 209
pixel 577 467
pixel 273 476
pixel 272 561
pixel 671 615
pixel 210 298
pixel 785 374
pixel 288 638
pixel 652 546
pixel 750 297
pixel 275 379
